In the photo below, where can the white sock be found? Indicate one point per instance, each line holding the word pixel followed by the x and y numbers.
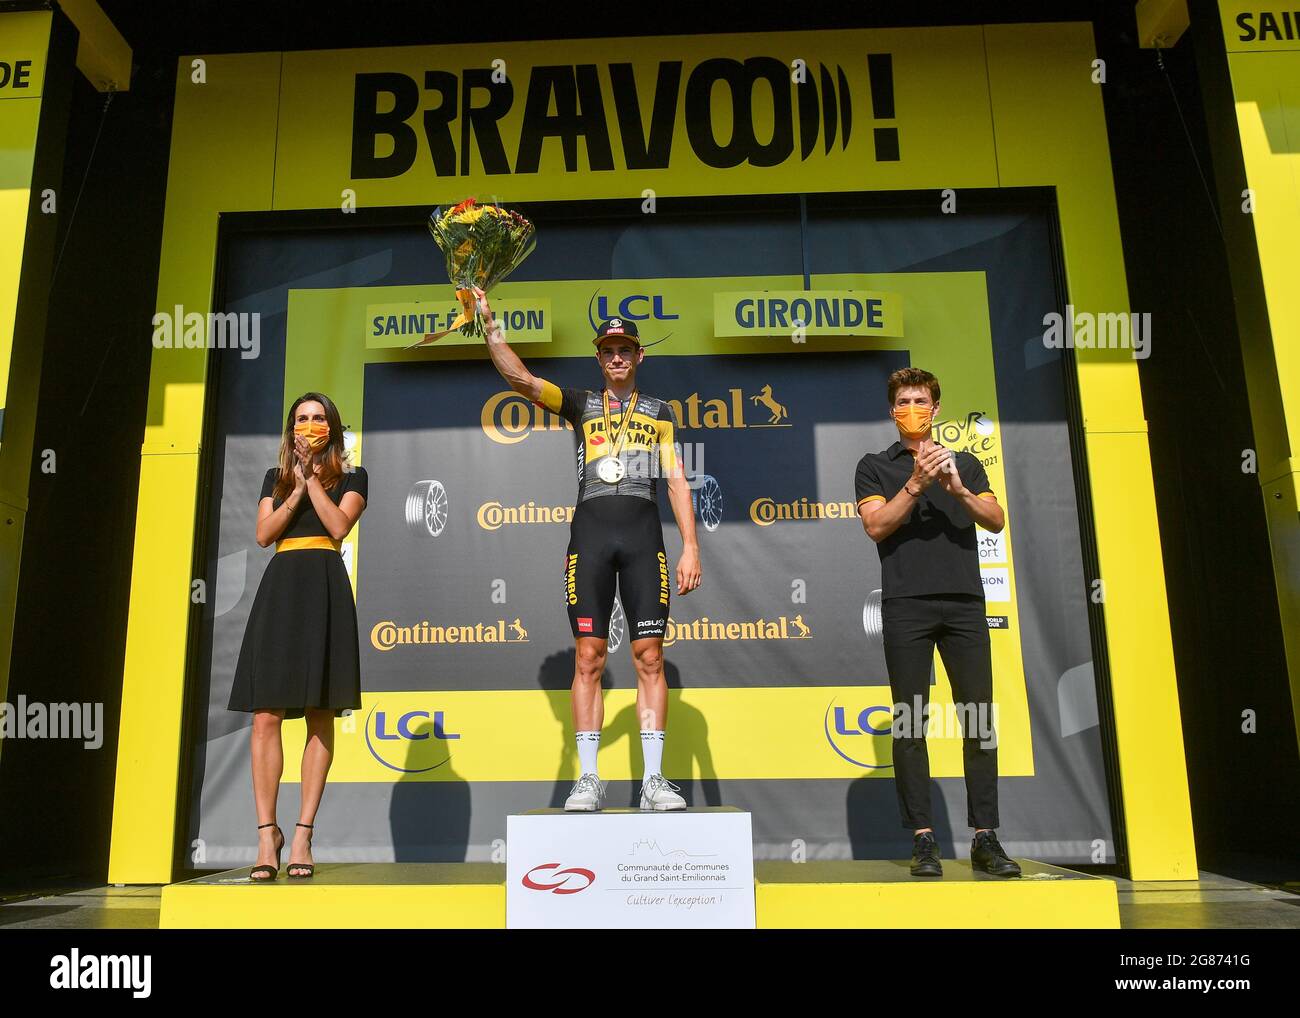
pixel 588 746
pixel 652 751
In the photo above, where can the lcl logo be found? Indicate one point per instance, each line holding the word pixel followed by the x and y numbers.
pixel 414 745
pixel 575 879
pixel 637 307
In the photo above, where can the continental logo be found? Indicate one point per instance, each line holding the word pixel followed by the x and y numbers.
pixel 761 110
pixel 508 418
pixel 494 515
pixel 766 511
pixel 387 635
pixel 780 628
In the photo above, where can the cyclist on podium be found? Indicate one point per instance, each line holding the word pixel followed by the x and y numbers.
pixel 624 443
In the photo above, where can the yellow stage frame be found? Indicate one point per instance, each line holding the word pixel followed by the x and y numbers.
pixel 1042 124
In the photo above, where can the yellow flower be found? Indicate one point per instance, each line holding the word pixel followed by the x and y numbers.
pixel 469 216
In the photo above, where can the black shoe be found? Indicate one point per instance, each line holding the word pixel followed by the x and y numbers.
pixel 987 855
pixel 925 856
pixel 305 869
pixel 264 873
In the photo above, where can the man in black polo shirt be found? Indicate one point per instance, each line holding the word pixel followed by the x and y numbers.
pixel 920 502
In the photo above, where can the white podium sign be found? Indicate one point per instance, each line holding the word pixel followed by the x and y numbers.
pixel 628 869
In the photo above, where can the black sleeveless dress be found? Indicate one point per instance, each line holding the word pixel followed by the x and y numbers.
pixel 300 646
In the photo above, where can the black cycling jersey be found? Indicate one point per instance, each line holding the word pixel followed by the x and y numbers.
pixel 616 539
pixel 647 451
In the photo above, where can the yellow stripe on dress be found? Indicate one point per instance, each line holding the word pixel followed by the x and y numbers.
pixel 305 543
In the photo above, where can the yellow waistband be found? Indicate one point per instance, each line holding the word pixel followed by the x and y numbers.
pixel 302 543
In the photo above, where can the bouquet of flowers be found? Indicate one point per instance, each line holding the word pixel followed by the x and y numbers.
pixel 483 244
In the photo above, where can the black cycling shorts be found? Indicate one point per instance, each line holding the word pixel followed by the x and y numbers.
pixel 616 538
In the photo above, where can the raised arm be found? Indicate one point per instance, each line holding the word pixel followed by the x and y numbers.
pixel 507 362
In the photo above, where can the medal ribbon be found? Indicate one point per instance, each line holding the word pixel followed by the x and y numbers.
pixel 617 441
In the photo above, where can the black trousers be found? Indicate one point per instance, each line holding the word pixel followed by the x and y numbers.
pixel 956 623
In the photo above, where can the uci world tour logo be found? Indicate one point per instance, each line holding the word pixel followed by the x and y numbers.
pixel 845 732
pixel 414 742
pixel 571 880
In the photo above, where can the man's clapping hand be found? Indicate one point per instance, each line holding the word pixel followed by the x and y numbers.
pixel 931 462
pixel 949 477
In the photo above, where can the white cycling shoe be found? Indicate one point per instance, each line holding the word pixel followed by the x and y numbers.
pixel 585 795
pixel 660 794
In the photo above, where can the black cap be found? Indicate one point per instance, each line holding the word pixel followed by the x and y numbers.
pixel 621 327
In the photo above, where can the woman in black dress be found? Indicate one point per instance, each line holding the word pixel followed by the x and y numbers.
pixel 300 654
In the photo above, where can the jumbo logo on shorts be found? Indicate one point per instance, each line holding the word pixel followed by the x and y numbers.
pixel 663 578
pixel 571 579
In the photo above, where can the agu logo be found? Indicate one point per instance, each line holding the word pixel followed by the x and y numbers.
pixel 412 742
pixel 844 731
pixel 571 880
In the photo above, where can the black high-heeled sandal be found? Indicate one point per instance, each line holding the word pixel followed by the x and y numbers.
pixel 309 867
pixel 273 871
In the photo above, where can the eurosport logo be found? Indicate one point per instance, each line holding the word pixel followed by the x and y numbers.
pixel 572 880
pixel 636 307
pixel 413 742
pixel 853 735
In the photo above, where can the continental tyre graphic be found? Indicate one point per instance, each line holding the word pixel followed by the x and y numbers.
pixel 617 627
pixel 706 499
pixel 871 620
pixel 426 508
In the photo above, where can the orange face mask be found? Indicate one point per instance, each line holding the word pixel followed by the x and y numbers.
pixel 317 433
pixel 913 421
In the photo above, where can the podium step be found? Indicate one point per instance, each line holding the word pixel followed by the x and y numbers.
pixel 403 896
pixel 882 894
pixel 876 894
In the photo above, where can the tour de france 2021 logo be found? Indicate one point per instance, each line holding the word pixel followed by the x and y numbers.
pixel 975 433
pixel 411 741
